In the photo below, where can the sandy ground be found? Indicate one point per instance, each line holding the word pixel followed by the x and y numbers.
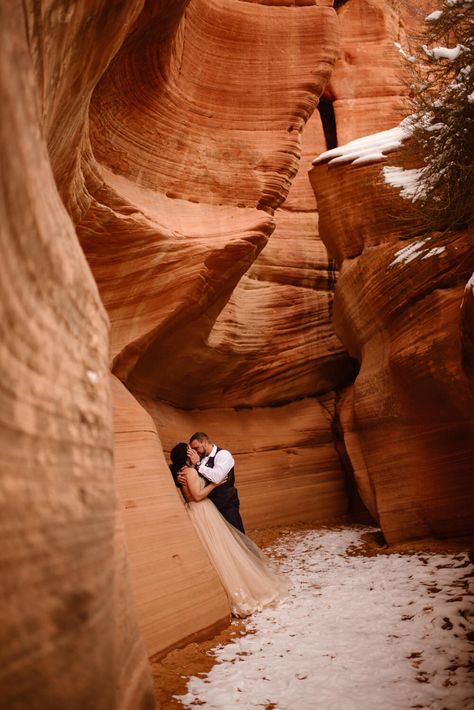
pixel 172 673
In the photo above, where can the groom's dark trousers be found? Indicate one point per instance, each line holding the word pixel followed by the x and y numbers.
pixel 226 499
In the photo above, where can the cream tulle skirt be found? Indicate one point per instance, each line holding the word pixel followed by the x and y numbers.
pixel 245 572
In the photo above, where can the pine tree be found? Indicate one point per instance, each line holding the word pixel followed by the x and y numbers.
pixel 442 121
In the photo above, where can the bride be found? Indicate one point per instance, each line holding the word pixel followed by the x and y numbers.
pixel 245 572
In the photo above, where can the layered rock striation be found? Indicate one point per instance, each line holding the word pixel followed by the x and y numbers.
pixel 195 138
pixel 69 635
pixel 173 178
pixel 169 142
pixel 407 420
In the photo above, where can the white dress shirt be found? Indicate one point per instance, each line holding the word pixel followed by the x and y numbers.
pixel 223 463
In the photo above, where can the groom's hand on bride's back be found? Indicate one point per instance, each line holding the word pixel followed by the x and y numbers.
pixel 181 478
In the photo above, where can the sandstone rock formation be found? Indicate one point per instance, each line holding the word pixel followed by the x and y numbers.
pixel 367 89
pixel 403 387
pixel 408 422
pixel 176 136
pixel 191 167
pixel 68 632
pixel 467 330
pixel 184 175
pixel 168 565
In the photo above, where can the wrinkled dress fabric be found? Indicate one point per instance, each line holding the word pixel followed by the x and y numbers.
pixel 245 572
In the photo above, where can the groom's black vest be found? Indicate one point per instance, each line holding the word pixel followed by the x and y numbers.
pixel 225 494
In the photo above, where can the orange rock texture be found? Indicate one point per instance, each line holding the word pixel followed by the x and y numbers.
pixel 171 132
pixel 467 330
pixel 159 223
pixel 368 86
pixel 68 632
pixel 399 319
pixel 408 419
pixel 196 135
pixel 168 564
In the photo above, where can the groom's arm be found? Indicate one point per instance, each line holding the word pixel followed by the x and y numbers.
pixel 223 463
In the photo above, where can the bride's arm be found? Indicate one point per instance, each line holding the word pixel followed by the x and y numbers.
pixel 192 489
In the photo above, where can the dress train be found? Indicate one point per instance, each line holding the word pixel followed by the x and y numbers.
pixel 245 572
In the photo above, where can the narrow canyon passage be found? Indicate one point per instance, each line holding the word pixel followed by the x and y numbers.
pixel 198 235
pixel 365 628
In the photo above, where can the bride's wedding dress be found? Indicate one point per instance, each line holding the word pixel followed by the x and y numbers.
pixel 245 572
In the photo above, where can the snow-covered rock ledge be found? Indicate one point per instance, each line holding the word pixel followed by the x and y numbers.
pixel 368 149
pixel 376 148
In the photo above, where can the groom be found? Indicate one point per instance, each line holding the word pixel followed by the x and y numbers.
pixel 217 466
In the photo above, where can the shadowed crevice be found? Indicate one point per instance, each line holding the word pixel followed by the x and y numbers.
pixel 328 119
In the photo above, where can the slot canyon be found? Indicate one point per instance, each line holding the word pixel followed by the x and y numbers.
pixel 174 261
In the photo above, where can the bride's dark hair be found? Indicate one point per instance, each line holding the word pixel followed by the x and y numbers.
pixel 179 454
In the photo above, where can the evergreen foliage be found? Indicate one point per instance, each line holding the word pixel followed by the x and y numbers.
pixel 442 121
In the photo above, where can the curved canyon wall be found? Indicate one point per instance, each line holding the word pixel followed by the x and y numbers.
pixel 176 136
pixel 69 634
pixel 220 304
pixel 402 310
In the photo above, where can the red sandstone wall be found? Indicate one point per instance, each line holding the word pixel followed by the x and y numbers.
pixel 408 421
pixel 178 135
pixel 68 631
pixel 195 141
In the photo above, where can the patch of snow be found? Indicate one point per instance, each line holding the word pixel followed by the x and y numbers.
pixel 92 376
pixel 407 254
pixel 434 127
pixel 450 53
pixel 407 180
pixel 403 53
pixel 434 16
pixel 434 252
pixel 370 148
pixel 361 633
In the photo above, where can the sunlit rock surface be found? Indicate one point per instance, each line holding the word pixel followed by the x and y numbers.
pixel 178 135
pixel 198 161
pixel 168 565
pixel 287 469
pixel 68 632
pixel 409 416
pixel 221 306
pixel 367 88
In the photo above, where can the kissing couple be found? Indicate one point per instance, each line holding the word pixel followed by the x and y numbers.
pixel 205 474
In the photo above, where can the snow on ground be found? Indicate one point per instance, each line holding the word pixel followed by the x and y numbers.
pixel 358 633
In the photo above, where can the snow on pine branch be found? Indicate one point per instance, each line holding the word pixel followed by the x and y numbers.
pixel 442 101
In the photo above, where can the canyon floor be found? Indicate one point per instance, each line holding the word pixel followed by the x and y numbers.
pixel 366 627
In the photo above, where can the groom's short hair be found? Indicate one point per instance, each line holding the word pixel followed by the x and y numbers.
pixel 199 436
